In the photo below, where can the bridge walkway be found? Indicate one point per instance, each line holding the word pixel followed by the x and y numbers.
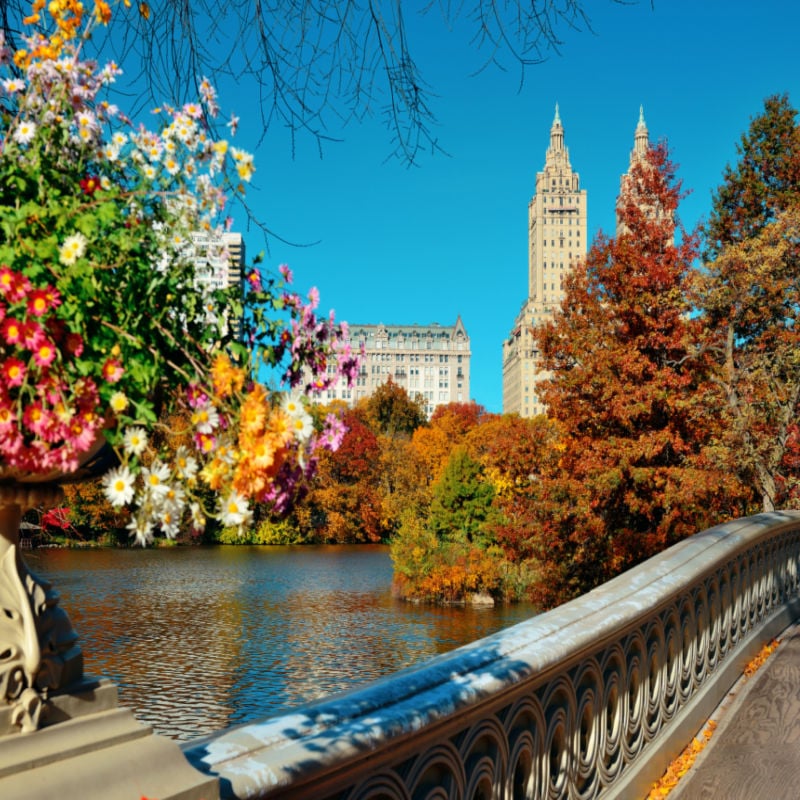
pixel 754 753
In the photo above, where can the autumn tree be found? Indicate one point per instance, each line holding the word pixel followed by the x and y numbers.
pixel 749 294
pixel 344 504
pixel 389 411
pixel 630 392
pixel 433 443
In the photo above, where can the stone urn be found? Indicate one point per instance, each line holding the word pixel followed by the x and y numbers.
pixel 39 652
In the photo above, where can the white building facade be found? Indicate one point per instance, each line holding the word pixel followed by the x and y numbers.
pixel 428 360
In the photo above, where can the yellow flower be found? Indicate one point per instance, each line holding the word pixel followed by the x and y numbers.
pixel 280 425
pixel 118 402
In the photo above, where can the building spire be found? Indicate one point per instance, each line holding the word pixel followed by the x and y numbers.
pixel 641 138
pixel 557 134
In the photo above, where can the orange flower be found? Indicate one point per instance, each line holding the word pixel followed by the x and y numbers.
pixel 226 377
pixel 253 414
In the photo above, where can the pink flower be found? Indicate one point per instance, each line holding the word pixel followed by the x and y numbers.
pixel 32 334
pixel 196 396
pixel 13 371
pixel 254 279
pixel 36 419
pixel 113 370
pixel 45 353
pixel 8 419
pixel 14 285
pixel 11 330
pixel 6 279
pixel 205 442
pixel 286 273
pixel 40 301
pixel 74 344
pixel 81 436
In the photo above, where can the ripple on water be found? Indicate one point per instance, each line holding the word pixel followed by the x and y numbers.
pixel 202 638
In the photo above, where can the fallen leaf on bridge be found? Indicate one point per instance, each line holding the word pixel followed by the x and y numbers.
pixel 683 763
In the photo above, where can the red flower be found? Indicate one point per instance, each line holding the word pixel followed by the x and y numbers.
pixel 90 184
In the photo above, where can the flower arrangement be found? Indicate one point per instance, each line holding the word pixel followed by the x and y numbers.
pixel 105 324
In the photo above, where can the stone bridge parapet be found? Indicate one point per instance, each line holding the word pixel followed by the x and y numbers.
pixel 592 699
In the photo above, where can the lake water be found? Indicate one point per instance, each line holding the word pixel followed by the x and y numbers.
pixel 202 638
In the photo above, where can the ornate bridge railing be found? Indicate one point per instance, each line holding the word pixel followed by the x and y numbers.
pixel 592 699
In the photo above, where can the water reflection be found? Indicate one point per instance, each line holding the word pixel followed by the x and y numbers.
pixel 202 638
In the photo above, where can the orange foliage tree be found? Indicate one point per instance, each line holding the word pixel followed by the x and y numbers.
pixel 433 443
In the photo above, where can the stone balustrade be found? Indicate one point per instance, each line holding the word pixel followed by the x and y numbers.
pixel 592 699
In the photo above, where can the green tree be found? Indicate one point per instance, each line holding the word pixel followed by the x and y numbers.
pixel 750 298
pixel 764 181
pixel 749 295
pixel 461 507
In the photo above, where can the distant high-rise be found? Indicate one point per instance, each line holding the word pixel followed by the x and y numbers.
pixel 219 260
pixel 557 226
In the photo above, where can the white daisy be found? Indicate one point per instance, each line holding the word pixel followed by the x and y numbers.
pixel 197 516
pixel 155 479
pixel 14 85
pixel 171 513
pixel 234 511
pixel 118 486
pixel 185 464
pixel 135 441
pixel 292 406
pixel 141 527
pixel 205 418
pixel 73 248
pixel 302 426
pixel 24 132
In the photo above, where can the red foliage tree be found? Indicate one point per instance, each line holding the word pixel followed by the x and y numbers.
pixel 344 504
pixel 629 391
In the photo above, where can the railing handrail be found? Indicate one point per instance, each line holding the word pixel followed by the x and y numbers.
pixel 588 699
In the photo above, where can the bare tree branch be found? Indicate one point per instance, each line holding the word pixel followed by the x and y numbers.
pixel 315 65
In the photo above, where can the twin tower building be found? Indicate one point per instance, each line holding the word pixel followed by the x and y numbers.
pixel 557 239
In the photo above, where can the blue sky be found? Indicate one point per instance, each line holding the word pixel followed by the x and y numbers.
pixel 388 243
